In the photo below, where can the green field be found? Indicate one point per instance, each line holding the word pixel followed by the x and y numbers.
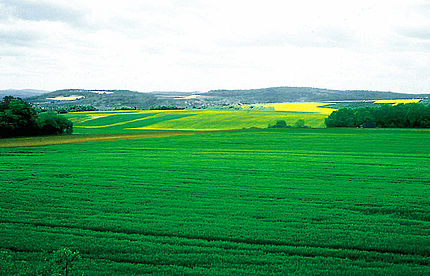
pixel 136 121
pixel 351 201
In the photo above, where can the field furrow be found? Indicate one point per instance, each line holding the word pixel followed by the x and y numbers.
pixel 252 202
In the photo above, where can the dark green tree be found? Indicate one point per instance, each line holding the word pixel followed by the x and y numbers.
pixel 300 123
pixel 51 123
pixel 18 118
pixel 415 115
pixel 343 117
pixel 279 124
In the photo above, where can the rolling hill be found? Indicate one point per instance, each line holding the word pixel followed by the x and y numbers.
pixel 115 99
pixel 101 99
pixel 301 94
pixel 23 93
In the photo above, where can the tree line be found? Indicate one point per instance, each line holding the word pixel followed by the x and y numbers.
pixel 19 118
pixel 75 108
pixel 166 107
pixel 413 115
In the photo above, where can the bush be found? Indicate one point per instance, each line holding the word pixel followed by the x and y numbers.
pixel 279 124
pixel 282 124
pixel 51 123
pixel 300 123
pixel 64 258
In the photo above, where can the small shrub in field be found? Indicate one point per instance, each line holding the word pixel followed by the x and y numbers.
pixel 282 124
pixel 64 258
pixel 279 124
pixel 300 123
pixel 51 123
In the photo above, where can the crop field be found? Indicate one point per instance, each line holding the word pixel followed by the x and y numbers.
pixel 85 138
pixel 395 102
pixel 94 122
pixel 301 107
pixel 256 202
pixel 371 103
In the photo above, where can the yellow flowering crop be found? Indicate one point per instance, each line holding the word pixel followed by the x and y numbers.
pixel 396 102
pixel 300 107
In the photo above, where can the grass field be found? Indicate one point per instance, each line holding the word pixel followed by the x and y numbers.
pixel 168 120
pixel 84 138
pixel 316 201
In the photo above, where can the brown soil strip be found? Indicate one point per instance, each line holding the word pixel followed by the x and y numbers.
pixel 82 138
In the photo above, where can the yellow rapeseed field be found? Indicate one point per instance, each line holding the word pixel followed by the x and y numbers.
pixel 301 107
pixel 66 98
pixel 396 102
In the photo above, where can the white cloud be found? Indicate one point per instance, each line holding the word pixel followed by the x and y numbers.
pixel 201 45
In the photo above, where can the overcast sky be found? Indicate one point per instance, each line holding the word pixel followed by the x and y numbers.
pixel 198 45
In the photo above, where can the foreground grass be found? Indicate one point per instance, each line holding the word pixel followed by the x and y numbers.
pixel 247 202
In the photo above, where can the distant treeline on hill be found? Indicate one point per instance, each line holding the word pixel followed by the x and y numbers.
pixel 165 107
pixel 76 108
pixel 18 118
pixel 414 115
pixel 67 109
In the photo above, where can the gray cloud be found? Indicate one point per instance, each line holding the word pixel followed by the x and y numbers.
pixel 421 9
pixel 422 33
pixel 42 11
pixel 318 38
pixel 254 43
pixel 18 38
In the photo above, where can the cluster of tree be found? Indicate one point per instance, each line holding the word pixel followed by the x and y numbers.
pixel 259 108
pixel 221 107
pixel 18 118
pixel 126 108
pixel 414 115
pixel 165 107
pixel 282 124
pixel 75 108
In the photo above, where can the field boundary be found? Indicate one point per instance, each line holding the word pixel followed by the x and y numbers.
pixel 84 138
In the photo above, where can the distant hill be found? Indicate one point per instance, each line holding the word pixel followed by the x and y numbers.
pixel 301 94
pixel 23 93
pixel 115 99
pixel 101 99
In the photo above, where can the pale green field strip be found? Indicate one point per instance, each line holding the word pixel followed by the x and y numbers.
pixel 119 123
pixel 73 139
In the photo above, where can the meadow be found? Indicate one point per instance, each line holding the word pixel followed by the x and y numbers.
pixel 126 121
pixel 257 202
